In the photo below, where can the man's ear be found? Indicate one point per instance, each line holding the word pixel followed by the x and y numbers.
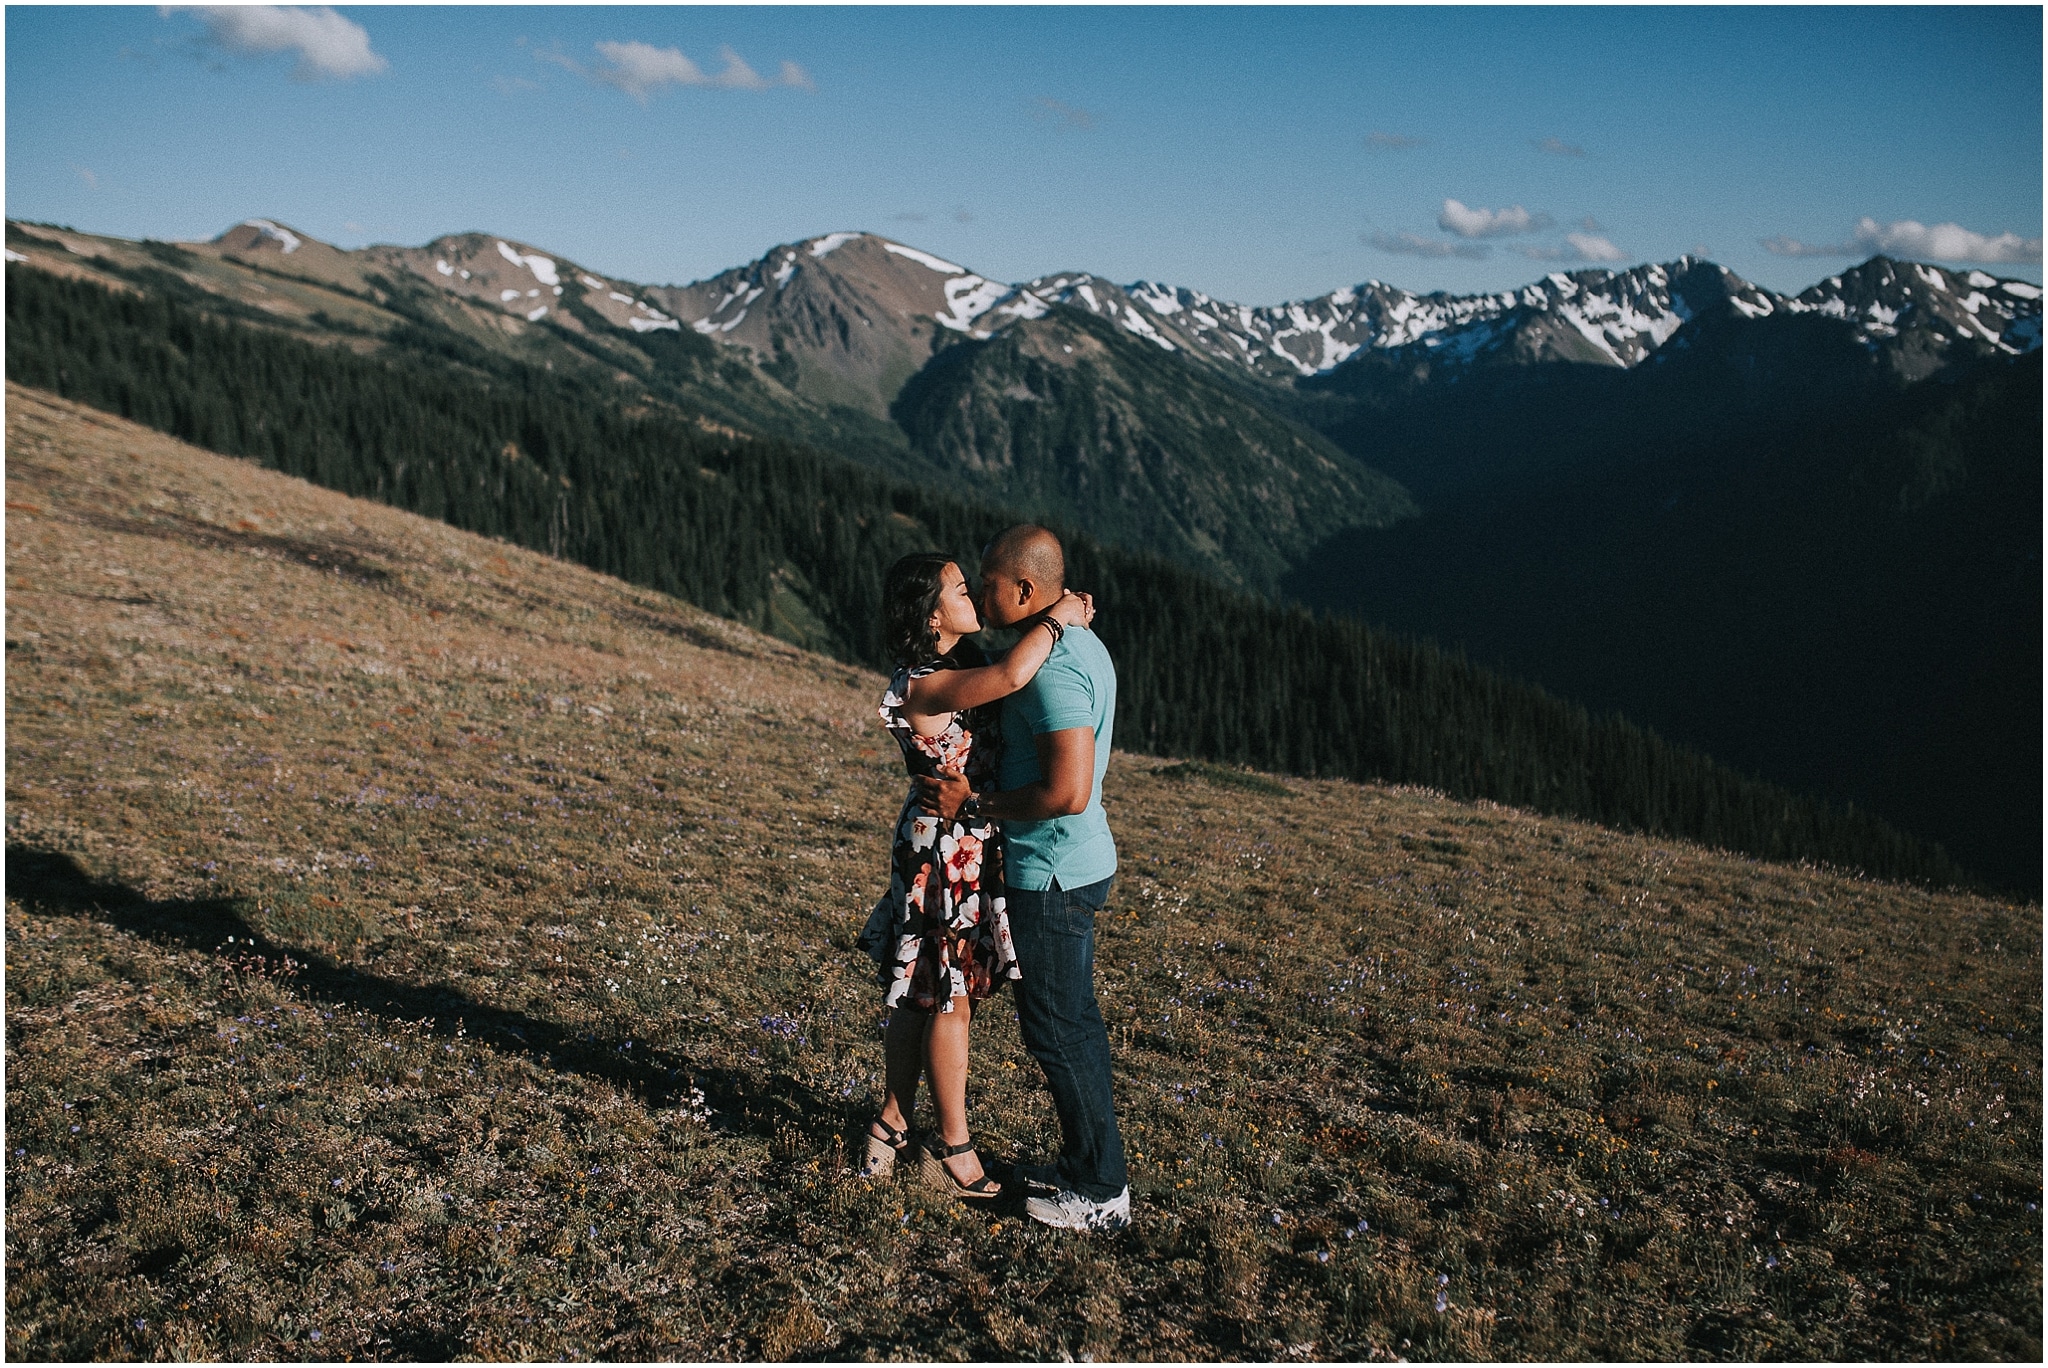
pixel 1026 590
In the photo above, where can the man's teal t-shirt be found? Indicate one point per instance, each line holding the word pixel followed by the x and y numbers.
pixel 1076 687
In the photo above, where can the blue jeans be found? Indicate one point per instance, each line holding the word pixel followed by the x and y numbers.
pixel 1054 932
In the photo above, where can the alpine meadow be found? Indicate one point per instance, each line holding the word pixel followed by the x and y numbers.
pixel 444 788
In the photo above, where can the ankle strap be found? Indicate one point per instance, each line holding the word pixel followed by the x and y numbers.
pixel 948 1151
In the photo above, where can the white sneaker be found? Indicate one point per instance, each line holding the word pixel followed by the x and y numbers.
pixel 1069 1210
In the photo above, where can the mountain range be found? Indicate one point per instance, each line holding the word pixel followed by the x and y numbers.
pixel 1233 438
pixel 1650 489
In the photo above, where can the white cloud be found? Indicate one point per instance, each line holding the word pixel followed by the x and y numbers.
pixel 737 75
pixel 1476 223
pixel 86 174
pixel 1576 247
pixel 1943 242
pixel 1413 244
pixel 1558 147
pixel 1593 247
pixel 1908 237
pixel 640 69
pixel 326 43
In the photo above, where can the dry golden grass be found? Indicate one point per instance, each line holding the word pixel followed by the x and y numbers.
pixel 419 948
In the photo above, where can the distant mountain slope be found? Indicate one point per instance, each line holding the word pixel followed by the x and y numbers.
pixel 1066 409
pixel 1845 599
pixel 815 342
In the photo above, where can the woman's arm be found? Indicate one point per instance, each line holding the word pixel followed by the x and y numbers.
pixel 949 691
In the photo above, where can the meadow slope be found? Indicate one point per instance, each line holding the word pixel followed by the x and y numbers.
pixel 416 947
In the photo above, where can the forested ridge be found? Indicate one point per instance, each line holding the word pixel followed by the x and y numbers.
pixel 796 540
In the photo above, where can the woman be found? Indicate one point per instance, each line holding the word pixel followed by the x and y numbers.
pixel 939 936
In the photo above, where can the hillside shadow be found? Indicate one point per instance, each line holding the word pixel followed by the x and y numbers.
pixel 54 883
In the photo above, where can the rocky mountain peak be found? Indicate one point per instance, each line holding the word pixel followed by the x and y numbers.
pixel 1931 307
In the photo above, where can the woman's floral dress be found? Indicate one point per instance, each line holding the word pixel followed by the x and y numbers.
pixel 948 934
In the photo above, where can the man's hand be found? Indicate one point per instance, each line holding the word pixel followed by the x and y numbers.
pixel 943 795
pixel 1066 759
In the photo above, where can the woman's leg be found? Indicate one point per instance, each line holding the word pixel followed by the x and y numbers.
pixel 902 1062
pixel 946 1054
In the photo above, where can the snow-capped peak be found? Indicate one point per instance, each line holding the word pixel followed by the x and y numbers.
pixel 1882 298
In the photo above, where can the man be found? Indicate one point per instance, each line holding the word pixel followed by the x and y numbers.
pixel 1056 739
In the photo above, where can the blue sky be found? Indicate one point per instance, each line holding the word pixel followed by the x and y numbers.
pixel 1257 154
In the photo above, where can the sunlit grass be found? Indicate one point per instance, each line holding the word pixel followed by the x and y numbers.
pixel 417 948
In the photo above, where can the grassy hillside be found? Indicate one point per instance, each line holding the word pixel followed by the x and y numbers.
pixel 418 948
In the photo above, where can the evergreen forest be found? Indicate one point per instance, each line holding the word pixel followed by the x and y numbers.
pixel 795 540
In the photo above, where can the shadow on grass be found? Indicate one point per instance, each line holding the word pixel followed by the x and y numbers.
pixel 54 883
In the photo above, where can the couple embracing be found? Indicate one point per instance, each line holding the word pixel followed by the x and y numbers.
pixel 1002 858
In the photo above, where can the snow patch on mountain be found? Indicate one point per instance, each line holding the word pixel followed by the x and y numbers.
pixel 543 268
pixel 923 258
pixel 823 245
pixel 284 237
pixel 968 297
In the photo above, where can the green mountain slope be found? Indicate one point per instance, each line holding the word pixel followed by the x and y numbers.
pixel 1068 412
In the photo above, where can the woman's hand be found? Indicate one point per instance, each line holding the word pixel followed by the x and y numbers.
pixel 1074 609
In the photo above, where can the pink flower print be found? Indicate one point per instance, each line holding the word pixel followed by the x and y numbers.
pixel 923 831
pixel 963 861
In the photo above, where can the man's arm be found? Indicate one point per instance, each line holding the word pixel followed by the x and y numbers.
pixel 1066 759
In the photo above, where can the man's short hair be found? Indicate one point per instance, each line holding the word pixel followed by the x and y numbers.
pixel 1029 552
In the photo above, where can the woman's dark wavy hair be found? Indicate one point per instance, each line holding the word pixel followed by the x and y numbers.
pixel 910 595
